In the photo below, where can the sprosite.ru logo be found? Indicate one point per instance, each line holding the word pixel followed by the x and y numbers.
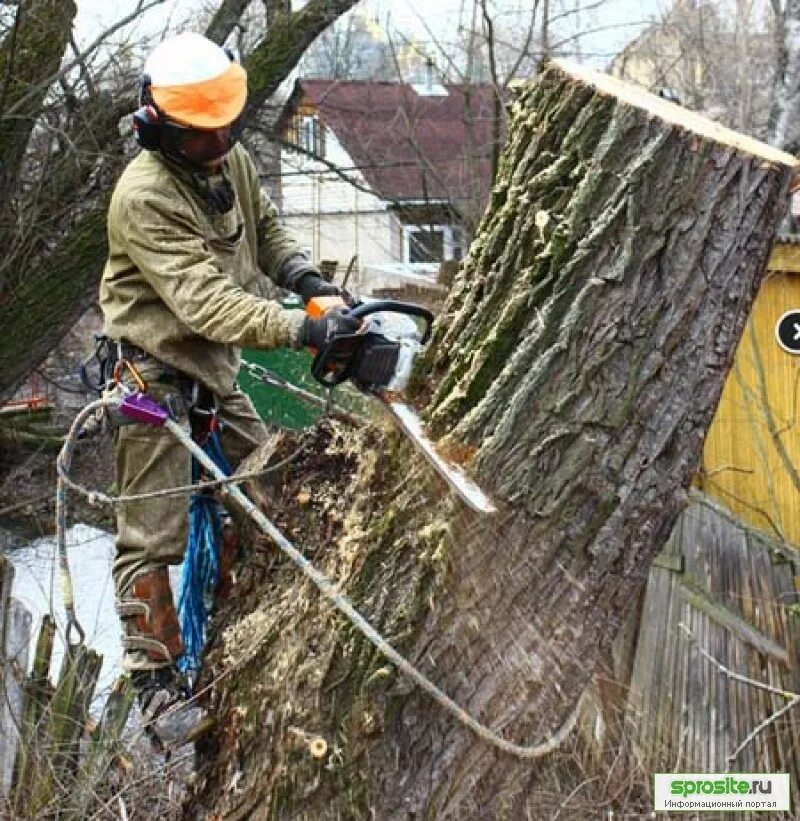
pixel 730 785
pixel 721 791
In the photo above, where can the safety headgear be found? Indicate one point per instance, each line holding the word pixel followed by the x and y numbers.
pixel 191 97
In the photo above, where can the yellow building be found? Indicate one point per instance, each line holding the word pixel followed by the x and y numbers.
pixel 751 458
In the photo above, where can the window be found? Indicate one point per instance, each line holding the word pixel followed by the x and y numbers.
pixel 426 244
pixel 432 243
pixel 456 244
pixel 308 133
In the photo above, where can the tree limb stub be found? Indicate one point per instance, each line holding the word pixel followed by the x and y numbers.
pixel 577 363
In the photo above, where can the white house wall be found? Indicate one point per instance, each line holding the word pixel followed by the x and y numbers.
pixel 331 217
pixel 370 236
pixel 310 187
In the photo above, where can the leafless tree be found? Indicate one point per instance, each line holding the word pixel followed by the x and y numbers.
pixel 785 113
pixel 737 61
pixel 353 48
pixel 61 149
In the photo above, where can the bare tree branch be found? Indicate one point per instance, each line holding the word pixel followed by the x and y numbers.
pixel 497 119
pixel 91 48
pixel 284 44
pixel 9 61
pixel 771 719
pixel 225 19
pixel 759 685
pixel 792 702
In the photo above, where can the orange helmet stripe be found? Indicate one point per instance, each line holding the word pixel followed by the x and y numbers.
pixel 208 104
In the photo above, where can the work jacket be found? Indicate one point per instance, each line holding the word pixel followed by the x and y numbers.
pixel 186 283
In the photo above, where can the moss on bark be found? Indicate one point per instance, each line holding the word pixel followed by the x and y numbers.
pixel 576 365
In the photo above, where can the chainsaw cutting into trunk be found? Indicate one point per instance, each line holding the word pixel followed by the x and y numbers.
pixel 378 360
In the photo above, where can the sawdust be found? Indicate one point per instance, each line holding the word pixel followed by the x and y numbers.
pixel 241 641
pixel 301 691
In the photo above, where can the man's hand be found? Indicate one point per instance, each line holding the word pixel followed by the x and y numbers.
pixel 317 333
pixel 311 285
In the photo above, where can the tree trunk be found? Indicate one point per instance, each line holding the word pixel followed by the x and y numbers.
pixel 575 369
pixel 29 56
pixel 48 302
pixel 57 285
pixel 288 36
pixel 225 19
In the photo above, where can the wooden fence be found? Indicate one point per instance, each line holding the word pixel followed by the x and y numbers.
pixel 719 617
pixel 53 756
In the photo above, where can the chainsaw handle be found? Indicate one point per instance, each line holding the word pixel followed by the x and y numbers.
pixel 393 306
pixel 336 362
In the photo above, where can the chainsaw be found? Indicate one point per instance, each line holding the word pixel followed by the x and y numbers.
pixel 378 361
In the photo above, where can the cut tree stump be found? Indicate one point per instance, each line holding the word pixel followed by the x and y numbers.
pixel 575 369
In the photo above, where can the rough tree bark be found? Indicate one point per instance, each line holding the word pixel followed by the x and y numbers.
pixel 29 55
pixel 575 369
pixel 58 285
pixel 225 19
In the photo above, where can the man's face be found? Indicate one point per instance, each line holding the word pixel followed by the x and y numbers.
pixel 205 148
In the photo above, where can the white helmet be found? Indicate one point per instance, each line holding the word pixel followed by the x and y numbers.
pixel 195 82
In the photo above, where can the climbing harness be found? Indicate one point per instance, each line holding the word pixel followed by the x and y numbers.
pixel 141 408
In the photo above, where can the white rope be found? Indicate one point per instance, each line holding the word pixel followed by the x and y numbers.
pixel 325 586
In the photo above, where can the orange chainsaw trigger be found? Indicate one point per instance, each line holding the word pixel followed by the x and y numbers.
pixel 320 305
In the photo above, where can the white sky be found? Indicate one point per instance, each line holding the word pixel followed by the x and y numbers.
pixel 618 21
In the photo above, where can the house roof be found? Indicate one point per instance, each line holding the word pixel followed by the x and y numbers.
pixel 410 146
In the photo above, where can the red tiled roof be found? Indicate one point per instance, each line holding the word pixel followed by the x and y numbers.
pixel 410 146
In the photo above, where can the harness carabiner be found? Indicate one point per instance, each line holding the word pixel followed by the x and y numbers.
pixel 132 370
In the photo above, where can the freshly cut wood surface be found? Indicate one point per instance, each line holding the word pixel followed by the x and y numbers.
pixel 671 112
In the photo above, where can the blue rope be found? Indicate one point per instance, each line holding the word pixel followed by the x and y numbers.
pixel 200 568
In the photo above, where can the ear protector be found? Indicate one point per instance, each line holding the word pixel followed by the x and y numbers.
pixel 147 118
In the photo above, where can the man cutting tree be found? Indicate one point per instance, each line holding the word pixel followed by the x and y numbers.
pixel 191 239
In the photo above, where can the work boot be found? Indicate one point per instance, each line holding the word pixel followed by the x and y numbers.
pixel 152 644
pixel 170 716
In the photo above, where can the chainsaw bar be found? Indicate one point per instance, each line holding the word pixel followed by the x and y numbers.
pixel 458 481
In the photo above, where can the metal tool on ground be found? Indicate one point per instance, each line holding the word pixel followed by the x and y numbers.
pixel 378 360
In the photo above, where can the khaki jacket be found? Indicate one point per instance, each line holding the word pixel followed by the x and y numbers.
pixel 186 284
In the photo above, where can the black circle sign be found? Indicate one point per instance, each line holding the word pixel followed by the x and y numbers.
pixel 787 331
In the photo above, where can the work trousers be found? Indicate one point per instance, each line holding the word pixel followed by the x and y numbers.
pixel 152 533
